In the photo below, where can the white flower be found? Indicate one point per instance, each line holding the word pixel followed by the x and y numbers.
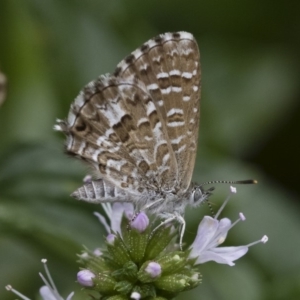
pixel 135 296
pixel 212 233
pixel 49 294
pixel 48 291
pixel 115 213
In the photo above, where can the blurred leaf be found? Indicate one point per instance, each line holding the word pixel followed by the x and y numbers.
pixel 247 93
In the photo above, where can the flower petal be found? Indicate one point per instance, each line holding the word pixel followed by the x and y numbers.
pixel 221 233
pixel 116 217
pixel 70 296
pixel 117 213
pixel 47 293
pixel 222 255
pixel 103 221
pixel 206 231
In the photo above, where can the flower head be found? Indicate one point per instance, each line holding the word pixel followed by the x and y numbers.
pixel 136 264
pixel 141 259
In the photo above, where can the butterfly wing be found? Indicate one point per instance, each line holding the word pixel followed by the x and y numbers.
pixel 138 127
pixel 169 67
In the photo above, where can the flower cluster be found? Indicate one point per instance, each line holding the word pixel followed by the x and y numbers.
pixel 141 260
pixel 138 263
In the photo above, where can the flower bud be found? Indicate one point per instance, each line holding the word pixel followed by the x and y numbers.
pixel 85 278
pixel 138 237
pixel 153 269
pixel 110 239
pixel 140 222
pixel 149 272
pixel 97 252
pixel 135 296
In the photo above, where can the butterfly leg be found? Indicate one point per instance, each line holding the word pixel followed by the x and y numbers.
pixel 181 220
pixel 145 208
pixel 168 219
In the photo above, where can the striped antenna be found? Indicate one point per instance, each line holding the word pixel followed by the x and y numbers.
pixel 247 181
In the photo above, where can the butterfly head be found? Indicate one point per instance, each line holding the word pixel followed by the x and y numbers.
pixel 199 195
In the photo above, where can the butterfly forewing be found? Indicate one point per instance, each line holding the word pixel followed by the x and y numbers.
pixel 169 67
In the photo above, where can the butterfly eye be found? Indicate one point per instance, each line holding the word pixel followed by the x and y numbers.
pixel 197 196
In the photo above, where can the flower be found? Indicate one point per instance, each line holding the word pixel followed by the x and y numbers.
pixel 48 291
pixel 135 296
pixel 135 263
pixel 212 233
pixel 97 252
pixel 115 213
pixel 146 263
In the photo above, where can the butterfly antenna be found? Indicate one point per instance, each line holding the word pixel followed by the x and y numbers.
pixel 210 208
pixel 248 181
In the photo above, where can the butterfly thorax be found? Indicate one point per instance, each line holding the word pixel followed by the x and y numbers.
pixel 161 201
pixel 158 201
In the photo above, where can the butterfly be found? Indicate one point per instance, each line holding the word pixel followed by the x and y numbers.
pixel 138 129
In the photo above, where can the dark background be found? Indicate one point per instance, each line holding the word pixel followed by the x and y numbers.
pixel 250 112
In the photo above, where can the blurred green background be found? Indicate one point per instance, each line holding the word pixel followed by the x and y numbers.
pixel 250 114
